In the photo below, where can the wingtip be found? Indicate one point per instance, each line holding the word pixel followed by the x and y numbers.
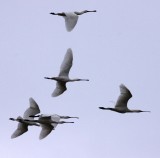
pixel 53 95
pixel 31 100
pixel 69 49
pixel 122 85
pixel 40 138
pixel 13 136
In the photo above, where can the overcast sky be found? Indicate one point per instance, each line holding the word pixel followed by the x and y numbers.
pixel 118 44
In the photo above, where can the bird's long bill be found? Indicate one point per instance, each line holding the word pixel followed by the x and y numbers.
pixel 67 122
pixel 47 77
pixel 93 11
pixel 34 116
pixel 53 13
pixel 146 111
pixel 83 79
pixel 11 119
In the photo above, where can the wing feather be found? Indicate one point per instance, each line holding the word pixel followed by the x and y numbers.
pixel 32 110
pixel 70 20
pixel 125 95
pixel 67 63
pixel 46 130
pixel 22 128
pixel 60 88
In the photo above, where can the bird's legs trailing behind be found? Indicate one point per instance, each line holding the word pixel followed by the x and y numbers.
pixel 67 117
pixel 85 11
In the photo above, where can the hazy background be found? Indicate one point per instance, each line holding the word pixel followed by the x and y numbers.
pixel 118 44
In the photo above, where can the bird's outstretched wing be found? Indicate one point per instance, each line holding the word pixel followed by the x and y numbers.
pixel 22 128
pixel 46 130
pixel 70 20
pixel 32 110
pixel 125 95
pixel 60 88
pixel 67 63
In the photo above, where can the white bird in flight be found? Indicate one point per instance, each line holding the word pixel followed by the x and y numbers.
pixel 48 123
pixel 23 125
pixel 71 18
pixel 63 76
pixel 121 104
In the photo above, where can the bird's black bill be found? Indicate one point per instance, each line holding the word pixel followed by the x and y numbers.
pixel 34 116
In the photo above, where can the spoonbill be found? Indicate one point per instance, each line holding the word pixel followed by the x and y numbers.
pixel 71 18
pixel 47 123
pixel 63 76
pixel 23 125
pixel 121 104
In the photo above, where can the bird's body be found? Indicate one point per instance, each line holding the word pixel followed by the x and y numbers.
pixel 23 124
pixel 63 76
pixel 71 18
pixel 121 104
pixel 48 123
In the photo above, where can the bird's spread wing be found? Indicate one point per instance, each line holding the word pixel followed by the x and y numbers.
pixel 60 88
pixel 66 64
pixel 46 130
pixel 70 20
pixel 32 110
pixel 22 128
pixel 125 95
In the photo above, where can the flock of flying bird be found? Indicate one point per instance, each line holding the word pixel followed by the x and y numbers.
pixel 49 122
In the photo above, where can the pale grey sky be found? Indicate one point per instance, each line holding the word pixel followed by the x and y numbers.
pixel 118 44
